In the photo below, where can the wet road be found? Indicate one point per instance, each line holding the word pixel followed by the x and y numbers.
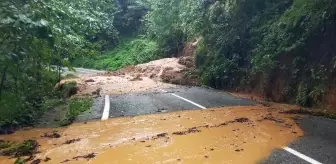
pixel 318 145
pixel 165 101
pixel 80 71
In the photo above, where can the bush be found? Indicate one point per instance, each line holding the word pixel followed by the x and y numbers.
pixel 26 148
pixel 23 106
pixel 130 52
pixel 224 74
pixel 76 107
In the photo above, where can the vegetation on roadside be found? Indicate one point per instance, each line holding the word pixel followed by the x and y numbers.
pixel 35 34
pixel 128 52
pixel 282 49
pixel 76 106
pixel 14 149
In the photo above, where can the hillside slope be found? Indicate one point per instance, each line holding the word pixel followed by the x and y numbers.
pixel 283 50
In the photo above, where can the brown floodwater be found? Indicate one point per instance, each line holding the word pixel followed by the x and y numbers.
pixel 198 136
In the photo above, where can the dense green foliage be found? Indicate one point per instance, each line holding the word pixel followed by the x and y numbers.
pixel 172 23
pixel 35 34
pixel 283 40
pixel 129 52
pixel 75 108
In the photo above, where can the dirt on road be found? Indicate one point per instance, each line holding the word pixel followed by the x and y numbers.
pixel 244 134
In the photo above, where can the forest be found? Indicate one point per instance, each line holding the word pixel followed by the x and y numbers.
pixel 283 50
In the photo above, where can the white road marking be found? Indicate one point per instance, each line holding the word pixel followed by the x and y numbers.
pixel 106 108
pixel 88 70
pixel 189 101
pixel 290 150
pixel 302 156
pixel 82 71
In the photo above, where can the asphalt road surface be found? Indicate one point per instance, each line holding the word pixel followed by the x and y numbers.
pixel 318 145
pixel 167 101
pixel 80 71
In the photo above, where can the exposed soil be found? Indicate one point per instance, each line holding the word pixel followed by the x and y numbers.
pixel 205 136
pixel 277 85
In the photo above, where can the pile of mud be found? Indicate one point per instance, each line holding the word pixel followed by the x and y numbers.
pixel 163 73
pixel 170 70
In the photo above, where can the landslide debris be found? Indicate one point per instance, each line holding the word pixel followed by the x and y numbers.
pixel 67 142
pixel 53 134
pixel 27 148
pixel 162 73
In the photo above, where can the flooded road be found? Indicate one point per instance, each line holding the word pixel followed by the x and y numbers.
pixel 245 134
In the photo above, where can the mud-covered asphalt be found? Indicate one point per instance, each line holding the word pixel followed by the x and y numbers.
pixel 318 142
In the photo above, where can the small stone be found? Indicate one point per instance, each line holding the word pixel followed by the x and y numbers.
pixel 36 161
pixel 46 159
pixel 89 81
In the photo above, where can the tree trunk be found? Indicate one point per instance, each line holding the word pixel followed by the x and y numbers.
pixel 3 79
pixel 59 73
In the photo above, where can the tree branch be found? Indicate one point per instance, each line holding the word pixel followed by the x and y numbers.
pixel 3 79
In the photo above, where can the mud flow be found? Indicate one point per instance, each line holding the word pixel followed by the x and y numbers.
pixel 224 135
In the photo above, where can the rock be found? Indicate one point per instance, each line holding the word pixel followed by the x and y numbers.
pixel 58 86
pixel 46 159
pixel 242 119
pixel 89 81
pixel 88 156
pixel 71 141
pixel 51 135
pixel 36 161
pixel 187 61
pixel 136 78
pixel 97 92
pixel 65 161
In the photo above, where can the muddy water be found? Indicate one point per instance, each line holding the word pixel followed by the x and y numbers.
pixel 218 139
